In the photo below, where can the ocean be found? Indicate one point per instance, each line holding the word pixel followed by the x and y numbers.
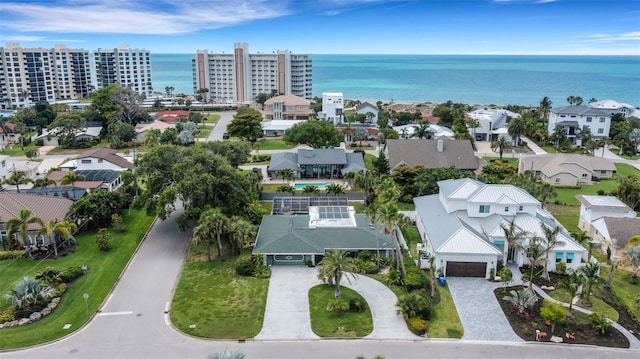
pixel 472 79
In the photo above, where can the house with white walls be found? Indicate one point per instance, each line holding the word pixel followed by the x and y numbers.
pixel 462 227
pixel 332 107
pixel 614 107
pixel 573 118
pixel 606 218
pixel 369 110
pixel 492 123
pixel 102 159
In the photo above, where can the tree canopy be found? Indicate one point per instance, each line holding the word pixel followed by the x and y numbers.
pixel 316 134
pixel 246 124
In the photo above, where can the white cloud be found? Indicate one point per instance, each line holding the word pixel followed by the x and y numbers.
pixel 134 16
pixel 629 36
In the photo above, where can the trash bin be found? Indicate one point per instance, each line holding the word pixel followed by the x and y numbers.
pixel 442 280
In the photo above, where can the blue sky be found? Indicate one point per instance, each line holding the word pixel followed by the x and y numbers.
pixel 610 27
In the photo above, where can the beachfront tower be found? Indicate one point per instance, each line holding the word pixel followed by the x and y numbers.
pixel 124 66
pixel 240 76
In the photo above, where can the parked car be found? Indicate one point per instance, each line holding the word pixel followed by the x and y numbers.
pixel 225 136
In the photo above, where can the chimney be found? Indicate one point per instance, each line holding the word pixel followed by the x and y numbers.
pixel 440 145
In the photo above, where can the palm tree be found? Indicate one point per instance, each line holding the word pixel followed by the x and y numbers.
pixel 558 134
pixel 545 190
pixel 70 178
pixel 535 255
pixel 335 189
pixel 211 225
pixel 43 182
pixel 550 241
pixel 513 236
pixel 309 190
pixel 334 266
pixel 473 124
pixel 516 128
pixel 422 131
pixel 366 183
pixel 152 137
pixel 286 188
pixel 584 134
pixel 169 90
pixel 287 174
pixel 578 100
pixel 241 233
pixel 412 305
pixel 24 95
pixel 501 144
pixel 571 100
pixel 21 224
pixel 17 178
pixel 572 283
pixel 544 107
pixel 389 216
pixel 591 273
pixel 632 258
pixel 203 93
pixel 53 228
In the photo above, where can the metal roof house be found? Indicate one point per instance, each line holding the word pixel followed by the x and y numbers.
pixel 606 218
pixel 573 118
pixel 461 227
pixel 296 239
pixel 316 163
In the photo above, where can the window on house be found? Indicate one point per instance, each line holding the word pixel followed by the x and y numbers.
pixel 589 119
pixel 484 208
pixel 85 161
pixel 585 175
pixel 603 172
pixel 600 131
pixel 557 180
pixel 559 256
pixel 569 257
pixel 506 209
pixel 602 119
pixel 520 208
pixel 100 160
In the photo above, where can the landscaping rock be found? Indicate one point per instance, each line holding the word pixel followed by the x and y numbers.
pixel 10 324
pixel 543 287
pixel 45 312
pixel 52 305
pixel 23 321
pixel 1 325
pixel 56 300
pixel 556 339
pixel 551 287
pixel 35 316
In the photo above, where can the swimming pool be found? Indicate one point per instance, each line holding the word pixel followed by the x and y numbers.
pixel 321 186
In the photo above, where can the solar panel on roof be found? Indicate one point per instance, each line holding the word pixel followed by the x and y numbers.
pixel 300 205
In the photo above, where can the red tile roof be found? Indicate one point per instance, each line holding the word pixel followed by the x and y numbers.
pixel 171 115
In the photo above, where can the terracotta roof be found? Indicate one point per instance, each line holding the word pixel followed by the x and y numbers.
pixel 44 207
pixel 289 100
pixel 429 117
pixel 10 126
pixel 171 115
pixel 456 153
pixel 107 154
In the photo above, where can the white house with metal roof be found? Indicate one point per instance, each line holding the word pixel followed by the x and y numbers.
pixel 613 107
pixel 574 118
pixel 492 123
pixel 462 227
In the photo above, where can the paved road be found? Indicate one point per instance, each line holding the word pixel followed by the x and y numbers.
pixel 133 325
pixel 221 125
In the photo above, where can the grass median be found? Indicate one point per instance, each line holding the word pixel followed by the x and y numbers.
pixel 338 324
pixel 104 270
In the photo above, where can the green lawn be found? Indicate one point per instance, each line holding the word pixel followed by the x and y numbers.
pixel 403 206
pixel 275 144
pixel 220 303
pixel 598 305
pixel 623 289
pixel 204 131
pixel 510 160
pixel 104 269
pixel 59 150
pixel 337 325
pixel 212 119
pixel 368 162
pixel 16 150
pixel 358 206
pixel 412 237
pixel 568 195
pixel 445 322
pixel 268 206
pixel 567 215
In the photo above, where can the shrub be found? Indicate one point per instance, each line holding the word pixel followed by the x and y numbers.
pixel 7 316
pixel 553 313
pixel 39 142
pixel 367 267
pixel 262 272
pixel 599 323
pixel 601 192
pixel 561 267
pixel 393 277
pixel 357 305
pixel 245 267
pixel 12 254
pixel 49 275
pixel 413 305
pixel 60 289
pixel 103 239
pixel 70 274
pixel 417 326
pixel 364 255
pixel 415 279
pixel 337 305
pixel 116 221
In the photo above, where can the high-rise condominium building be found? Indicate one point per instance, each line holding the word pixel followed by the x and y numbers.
pixel 29 75
pixel 241 76
pixel 125 67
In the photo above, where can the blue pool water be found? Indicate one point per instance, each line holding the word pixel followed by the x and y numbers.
pixel 321 186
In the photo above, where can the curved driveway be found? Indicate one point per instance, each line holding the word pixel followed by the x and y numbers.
pixel 133 325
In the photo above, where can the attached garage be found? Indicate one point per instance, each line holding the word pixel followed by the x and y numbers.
pixel 466 269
